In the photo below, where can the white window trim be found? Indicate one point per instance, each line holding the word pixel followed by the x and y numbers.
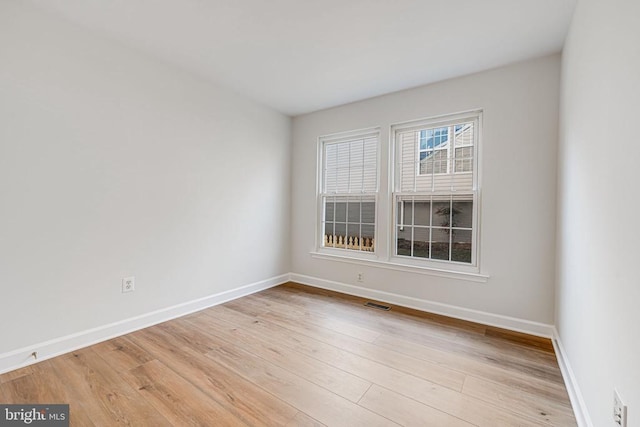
pixel 429 264
pixel 337 138
pixel 377 258
pixel 374 261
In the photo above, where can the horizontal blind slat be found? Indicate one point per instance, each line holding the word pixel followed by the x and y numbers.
pixel 350 166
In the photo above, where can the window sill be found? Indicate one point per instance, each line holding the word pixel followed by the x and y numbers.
pixel 430 271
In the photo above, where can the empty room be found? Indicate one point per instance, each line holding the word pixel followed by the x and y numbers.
pixel 330 213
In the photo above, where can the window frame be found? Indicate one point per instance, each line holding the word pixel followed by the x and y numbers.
pixel 336 138
pixel 474 116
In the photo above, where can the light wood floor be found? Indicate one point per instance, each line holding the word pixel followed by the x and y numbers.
pixel 297 356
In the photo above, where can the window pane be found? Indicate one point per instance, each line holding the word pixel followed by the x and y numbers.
pixel 356 183
pixel 353 211
pixel 462 214
pixel 426 162
pixel 367 231
pixel 440 161
pixel 369 178
pixel 464 159
pixel 405 212
pixel 342 177
pixel 356 150
pixel 328 209
pixel 346 232
pixel 353 230
pixel 439 244
pixel 433 162
pixel 328 228
pixel 367 238
pixel 463 134
pixel 351 166
pixel 441 212
pixel 461 250
pixel 421 212
pixel 368 212
pixel 421 242
pixel 341 211
pixel 404 241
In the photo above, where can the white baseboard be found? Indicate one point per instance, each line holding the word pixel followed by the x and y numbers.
pixel 575 395
pixel 505 322
pixel 22 357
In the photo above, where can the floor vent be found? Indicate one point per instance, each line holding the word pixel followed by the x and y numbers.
pixel 378 306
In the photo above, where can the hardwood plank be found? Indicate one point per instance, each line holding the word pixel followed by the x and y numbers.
pixel 419 323
pixel 122 354
pixel 176 399
pixel 429 371
pixel 102 393
pixel 53 389
pixel 303 420
pixel 479 368
pixel 17 373
pixel 349 328
pixel 43 386
pixel 239 396
pixel 22 389
pixel 335 380
pixel 354 309
pixel 347 312
pixel 240 305
pixel 179 336
pixel 463 325
pixel 314 400
pixel 405 411
pixel 499 352
pixel 453 402
pixel 522 402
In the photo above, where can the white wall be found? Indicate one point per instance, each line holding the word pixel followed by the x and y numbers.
pixel 598 241
pixel 520 104
pixel 113 164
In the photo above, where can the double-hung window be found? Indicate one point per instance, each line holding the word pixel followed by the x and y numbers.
pixel 435 191
pixel 348 191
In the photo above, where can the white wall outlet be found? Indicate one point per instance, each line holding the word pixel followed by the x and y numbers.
pixel 360 277
pixel 619 410
pixel 128 284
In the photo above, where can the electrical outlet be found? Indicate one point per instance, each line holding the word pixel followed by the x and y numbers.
pixel 619 410
pixel 128 284
pixel 360 277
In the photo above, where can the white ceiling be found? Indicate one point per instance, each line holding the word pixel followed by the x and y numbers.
pixel 299 56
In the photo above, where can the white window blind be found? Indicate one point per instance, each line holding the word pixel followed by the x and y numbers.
pixel 348 191
pixel 350 166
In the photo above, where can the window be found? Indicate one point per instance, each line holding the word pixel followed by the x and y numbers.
pixel 429 210
pixel 435 190
pixel 348 191
pixel 433 149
